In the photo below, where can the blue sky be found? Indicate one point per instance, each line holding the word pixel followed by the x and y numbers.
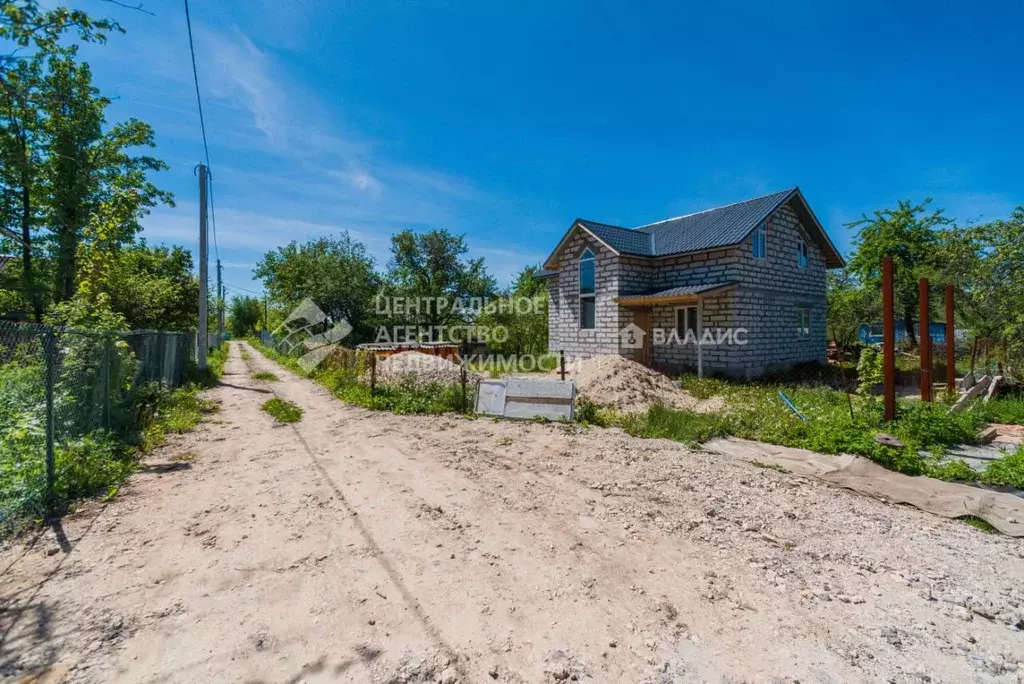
pixel 507 121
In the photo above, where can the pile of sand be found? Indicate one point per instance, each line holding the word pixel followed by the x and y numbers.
pixel 620 383
pixel 417 368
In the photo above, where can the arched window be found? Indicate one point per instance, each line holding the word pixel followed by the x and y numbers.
pixel 588 287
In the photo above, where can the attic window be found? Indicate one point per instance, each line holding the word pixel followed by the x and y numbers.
pixel 588 282
pixel 802 257
pixel 760 242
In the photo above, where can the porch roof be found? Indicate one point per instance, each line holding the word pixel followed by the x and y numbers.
pixel 675 295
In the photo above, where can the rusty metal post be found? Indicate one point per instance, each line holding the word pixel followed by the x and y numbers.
pixel 950 344
pixel 888 340
pixel 561 363
pixel 926 341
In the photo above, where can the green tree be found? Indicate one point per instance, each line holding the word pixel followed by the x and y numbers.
pixel 523 313
pixel 245 316
pixel 36 34
pixel 989 270
pixel 849 305
pixel 432 268
pixel 337 274
pixel 154 288
pixel 19 169
pixel 84 164
pixel 914 238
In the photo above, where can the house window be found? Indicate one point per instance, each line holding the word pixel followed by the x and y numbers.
pixel 803 323
pixel 588 285
pixel 686 319
pixel 760 246
pixel 802 258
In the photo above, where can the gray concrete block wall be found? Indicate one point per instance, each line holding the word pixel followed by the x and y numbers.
pixel 564 333
pixel 765 302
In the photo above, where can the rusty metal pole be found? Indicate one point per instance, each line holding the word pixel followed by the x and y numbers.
pixel 888 340
pixel 926 341
pixel 950 344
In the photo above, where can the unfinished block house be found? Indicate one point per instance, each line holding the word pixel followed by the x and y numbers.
pixel 738 290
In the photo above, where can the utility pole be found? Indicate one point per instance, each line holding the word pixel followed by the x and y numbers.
pixel 220 305
pixel 265 319
pixel 202 340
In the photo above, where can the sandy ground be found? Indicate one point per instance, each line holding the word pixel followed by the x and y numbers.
pixel 367 547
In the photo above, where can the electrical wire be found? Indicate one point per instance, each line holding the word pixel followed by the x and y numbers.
pixel 202 126
pixel 242 289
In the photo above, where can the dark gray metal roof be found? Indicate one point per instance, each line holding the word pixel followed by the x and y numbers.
pixel 545 273
pixel 710 229
pixel 679 291
pixel 713 228
pixel 622 240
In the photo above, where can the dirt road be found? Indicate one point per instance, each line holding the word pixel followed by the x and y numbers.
pixel 366 547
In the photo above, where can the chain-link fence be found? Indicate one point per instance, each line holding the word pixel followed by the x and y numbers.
pixel 66 401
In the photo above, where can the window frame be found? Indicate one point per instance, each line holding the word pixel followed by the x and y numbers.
pixel 759 244
pixel 803 324
pixel 687 308
pixel 587 255
pixel 803 254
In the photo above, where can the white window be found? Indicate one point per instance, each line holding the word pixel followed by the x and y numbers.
pixel 803 323
pixel 686 319
pixel 588 286
pixel 760 246
pixel 802 257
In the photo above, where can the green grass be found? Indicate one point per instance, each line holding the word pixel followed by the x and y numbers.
pixel 753 410
pixel 1009 411
pixel 978 523
pixel 88 461
pixel 283 410
pixel 349 385
pixel 266 376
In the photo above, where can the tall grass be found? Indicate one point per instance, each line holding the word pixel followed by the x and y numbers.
pixel 349 383
pixel 755 411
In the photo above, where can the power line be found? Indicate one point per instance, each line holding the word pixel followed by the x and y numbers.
pixel 202 126
pixel 236 287
pixel 195 77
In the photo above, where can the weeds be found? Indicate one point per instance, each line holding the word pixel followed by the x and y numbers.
pixel 283 410
pixel 265 376
pixel 347 383
pixel 769 466
pixel 1008 471
pixel 978 523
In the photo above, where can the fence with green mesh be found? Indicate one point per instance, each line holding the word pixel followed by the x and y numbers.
pixel 67 397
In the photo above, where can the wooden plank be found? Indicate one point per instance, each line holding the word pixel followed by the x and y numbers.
pixel 950 343
pixel 926 341
pixel 888 340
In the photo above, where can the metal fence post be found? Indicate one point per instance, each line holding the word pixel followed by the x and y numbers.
pixel 50 362
pixel 107 360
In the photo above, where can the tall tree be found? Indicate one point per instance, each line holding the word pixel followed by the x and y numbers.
pixel 19 167
pixel 335 273
pixel 84 165
pixel 34 34
pixel 245 316
pixel 432 266
pixel 913 237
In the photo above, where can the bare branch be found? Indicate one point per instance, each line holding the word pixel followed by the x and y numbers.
pixel 137 8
